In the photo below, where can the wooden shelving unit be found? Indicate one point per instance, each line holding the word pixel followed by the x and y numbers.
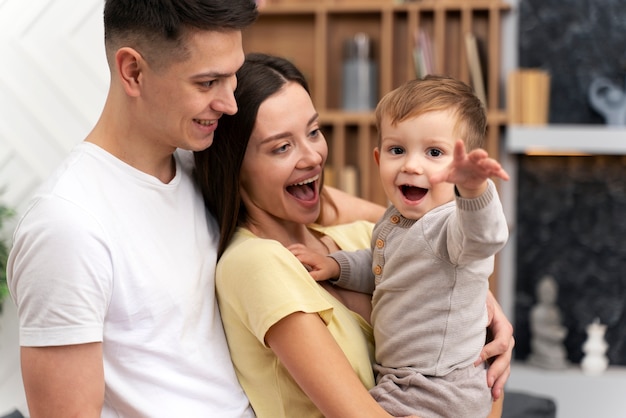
pixel 311 33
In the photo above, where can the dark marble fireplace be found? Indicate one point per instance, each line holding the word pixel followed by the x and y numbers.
pixel 571 211
pixel 571 224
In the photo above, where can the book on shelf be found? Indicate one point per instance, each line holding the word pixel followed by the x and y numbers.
pixel 423 54
pixel 528 96
pixel 476 67
pixel 349 180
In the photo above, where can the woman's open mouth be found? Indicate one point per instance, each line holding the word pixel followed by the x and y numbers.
pixel 304 190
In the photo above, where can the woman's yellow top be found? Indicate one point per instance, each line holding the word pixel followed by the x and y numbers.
pixel 258 283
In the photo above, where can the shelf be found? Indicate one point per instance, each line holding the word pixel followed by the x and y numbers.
pixel 566 140
pixel 497 117
pixel 311 33
pixel 312 6
pixel 348 118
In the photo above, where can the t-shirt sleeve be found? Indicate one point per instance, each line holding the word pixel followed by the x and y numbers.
pixel 60 270
pixel 263 282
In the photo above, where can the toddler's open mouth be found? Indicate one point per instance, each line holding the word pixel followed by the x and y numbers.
pixel 413 193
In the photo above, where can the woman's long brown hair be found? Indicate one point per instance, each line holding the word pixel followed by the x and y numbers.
pixel 218 168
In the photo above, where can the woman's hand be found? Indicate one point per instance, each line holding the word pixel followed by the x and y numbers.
pixel 499 350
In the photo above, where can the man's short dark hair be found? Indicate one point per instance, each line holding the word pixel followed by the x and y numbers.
pixel 157 28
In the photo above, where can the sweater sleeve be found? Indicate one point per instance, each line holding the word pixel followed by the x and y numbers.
pixel 356 270
pixel 356 259
pixel 477 229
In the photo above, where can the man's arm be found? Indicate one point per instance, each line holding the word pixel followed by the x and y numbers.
pixel 499 349
pixel 64 381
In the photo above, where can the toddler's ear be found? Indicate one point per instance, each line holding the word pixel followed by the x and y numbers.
pixel 377 156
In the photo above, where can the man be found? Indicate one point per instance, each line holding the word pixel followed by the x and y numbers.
pixel 112 266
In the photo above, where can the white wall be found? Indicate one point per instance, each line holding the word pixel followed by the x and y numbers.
pixel 53 82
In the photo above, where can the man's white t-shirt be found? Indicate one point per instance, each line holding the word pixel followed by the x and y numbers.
pixel 108 253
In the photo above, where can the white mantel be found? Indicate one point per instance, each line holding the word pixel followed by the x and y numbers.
pixel 576 394
pixel 566 140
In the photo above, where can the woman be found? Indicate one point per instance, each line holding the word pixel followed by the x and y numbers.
pixel 297 349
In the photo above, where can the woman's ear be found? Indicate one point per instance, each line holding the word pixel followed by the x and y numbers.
pixel 128 64
pixel 377 156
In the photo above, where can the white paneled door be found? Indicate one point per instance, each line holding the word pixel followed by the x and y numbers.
pixel 53 82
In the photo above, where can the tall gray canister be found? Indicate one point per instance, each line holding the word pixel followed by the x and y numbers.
pixel 360 74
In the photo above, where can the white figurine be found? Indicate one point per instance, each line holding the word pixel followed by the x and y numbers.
pixel 547 333
pixel 595 360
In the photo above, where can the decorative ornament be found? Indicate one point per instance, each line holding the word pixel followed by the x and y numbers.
pixel 547 333
pixel 595 361
pixel 609 100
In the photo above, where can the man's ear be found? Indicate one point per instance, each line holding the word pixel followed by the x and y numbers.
pixel 377 156
pixel 129 65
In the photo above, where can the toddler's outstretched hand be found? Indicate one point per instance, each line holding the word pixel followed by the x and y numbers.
pixel 469 172
pixel 319 266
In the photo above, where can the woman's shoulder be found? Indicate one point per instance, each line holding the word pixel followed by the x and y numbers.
pixel 253 270
pixel 247 248
pixel 248 258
